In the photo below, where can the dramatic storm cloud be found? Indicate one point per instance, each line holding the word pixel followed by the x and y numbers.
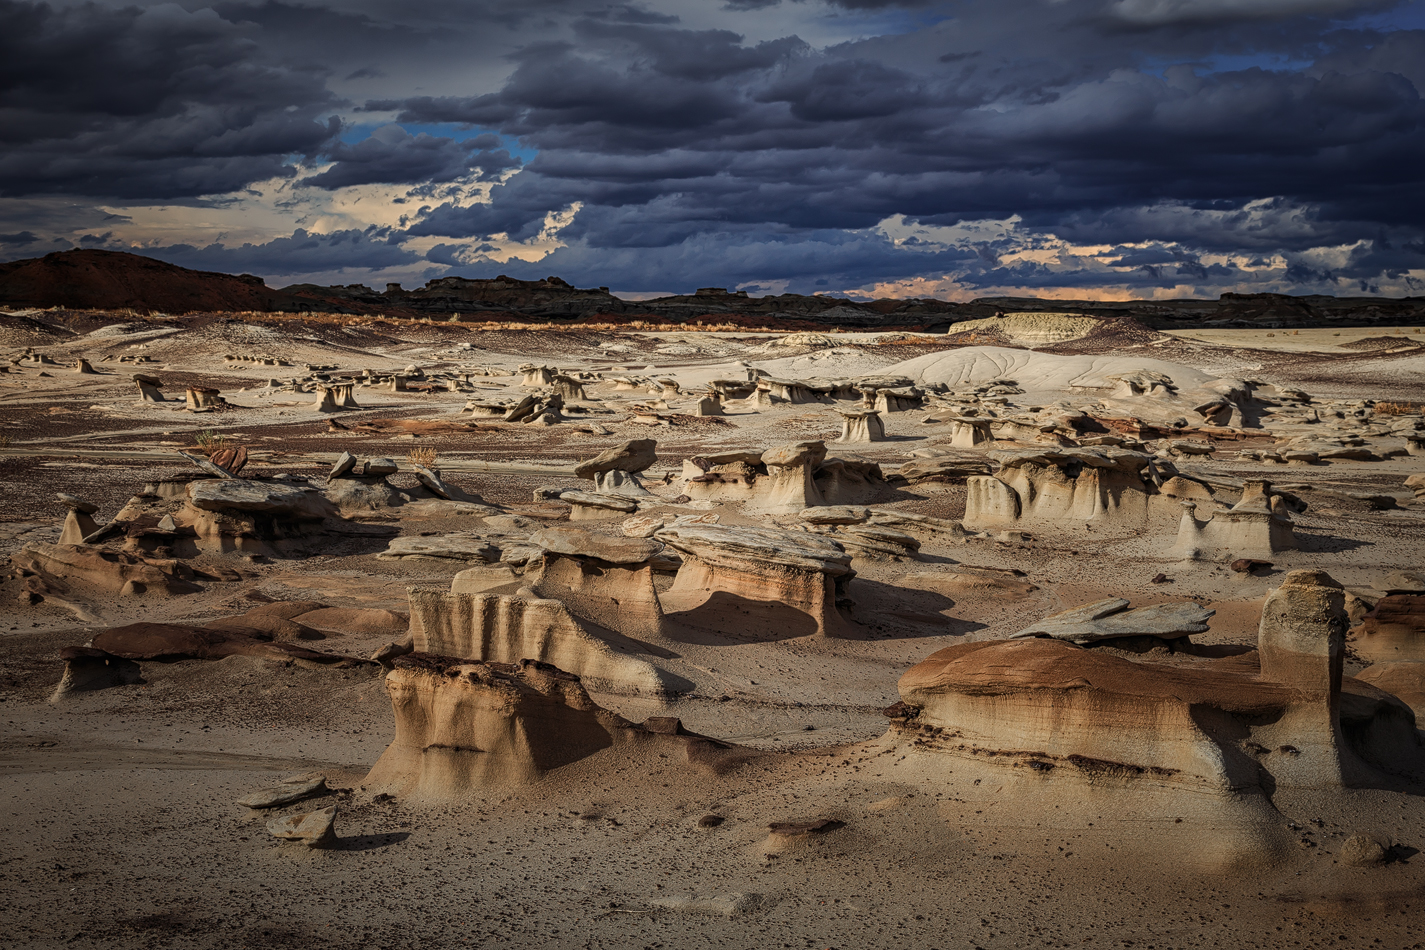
pixel 1064 147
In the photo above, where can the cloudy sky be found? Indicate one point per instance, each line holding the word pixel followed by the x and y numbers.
pixel 1069 148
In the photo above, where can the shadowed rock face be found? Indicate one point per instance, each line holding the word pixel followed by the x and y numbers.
pixel 795 570
pixel 1222 724
pixel 462 726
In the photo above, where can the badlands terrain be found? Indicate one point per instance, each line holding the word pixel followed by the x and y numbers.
pixel 1055 630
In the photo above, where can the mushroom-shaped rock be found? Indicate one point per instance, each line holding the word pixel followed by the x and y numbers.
pixel 632 456
pixel 596 506
pixel 1063 484
pixel 240 494
pixel 1112 619
pixel 861 425
pixel 968 432
pixel 605 579
pixel 1102 714
pixel 727 571
pixel 149 388
pixel 81 365
pixel 78 524
pixel 204 399
pixel 1255 527
pixel 789 485
pixel 537 375
pixel 442 548
pixel 569 388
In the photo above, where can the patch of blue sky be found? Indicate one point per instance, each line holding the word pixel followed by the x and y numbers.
pixel 856 24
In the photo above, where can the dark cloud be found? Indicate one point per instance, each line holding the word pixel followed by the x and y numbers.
pixel 147 103
pixel 20 238
pixel 629 13
pixel 1179 132
pixel 302 252
pixel 728 260
pixel 392 155
pixel 660 134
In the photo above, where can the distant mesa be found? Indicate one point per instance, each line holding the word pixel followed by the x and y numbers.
pixel 114 280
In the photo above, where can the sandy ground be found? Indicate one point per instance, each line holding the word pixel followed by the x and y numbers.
pixel 119 815
pixel 1308 340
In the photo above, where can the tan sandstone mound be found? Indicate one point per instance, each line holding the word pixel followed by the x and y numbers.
pixel 464 727
pixel 759 583
pixel 507 628
pixel 781 480
pixel 1281 718
pixel 1258 526
pixel 606 579
pixel 1033 328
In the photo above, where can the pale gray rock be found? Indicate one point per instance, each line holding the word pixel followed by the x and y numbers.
pixel 945 467
pixel 735 904
pixel 315 829
pixel 604 547
pixel 288 791
pixel 836 514
pixel 450 547
pixel 619 482
pixel 912 522
pixel 1401 582
pixel 1111 619
pixel 635 455
pixel 599 500
pixel 877 541
pixel 432 481
pixel 75 503
pixel 344 463
pixel 241 494
pixel 753 548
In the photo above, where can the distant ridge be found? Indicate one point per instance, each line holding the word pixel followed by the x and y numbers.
pixel 115 280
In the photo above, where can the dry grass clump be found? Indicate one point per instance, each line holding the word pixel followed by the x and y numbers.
pixel 424 457
pixel 1397 408
pixel 210 441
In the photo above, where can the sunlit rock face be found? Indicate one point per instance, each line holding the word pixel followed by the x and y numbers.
pixel 1282 716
